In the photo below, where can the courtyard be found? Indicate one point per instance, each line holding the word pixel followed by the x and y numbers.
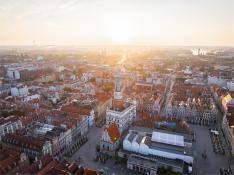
pixel 209 166
pixel 86 155
pixel 212 164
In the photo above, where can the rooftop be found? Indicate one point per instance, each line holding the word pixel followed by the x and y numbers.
pixel 113 132
pixel 24 141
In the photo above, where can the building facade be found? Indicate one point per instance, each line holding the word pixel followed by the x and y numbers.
pixel 121 113
pixel 9 125
pixel 110 138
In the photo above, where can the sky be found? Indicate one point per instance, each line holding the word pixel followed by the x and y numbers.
pixel 104 22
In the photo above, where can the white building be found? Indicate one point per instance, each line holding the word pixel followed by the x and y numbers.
pixel 19 90
pixel 59 68
pixel 188 111
pixel 122 113
pixel 181 111
pixel 17 71
pixel 169 110
pixel 161 144
pixel 86 76
pixel 13 73
pixel 117 94
pixel 188 70
pixel 59 136
pixel 110 138
pixel 230 85
pixel 4 90
pixel 31 97
pixel 228 125
pixel 9 125
pixel 217 81
pixel 91 117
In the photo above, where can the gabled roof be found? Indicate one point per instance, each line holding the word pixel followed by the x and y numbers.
pixel 90 172
pixel 118 104
pixel 102 97
pixel 24 141
pixel 75 108
pixel 8 161
pixel 113 132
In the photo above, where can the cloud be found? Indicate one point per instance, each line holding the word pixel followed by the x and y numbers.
pixel 69 4
pixel 28 14
pixel 2 9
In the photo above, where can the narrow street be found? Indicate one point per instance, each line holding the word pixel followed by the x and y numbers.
pixel 168 94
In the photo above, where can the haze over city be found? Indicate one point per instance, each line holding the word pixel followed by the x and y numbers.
pixel 116 87
pixel 105 22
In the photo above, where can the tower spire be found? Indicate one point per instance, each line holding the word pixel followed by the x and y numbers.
pixel 117 94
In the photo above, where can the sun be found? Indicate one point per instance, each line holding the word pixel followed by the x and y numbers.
pixel 121 30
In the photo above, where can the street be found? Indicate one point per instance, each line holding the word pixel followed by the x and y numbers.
pixel 88 151
pixel 167 95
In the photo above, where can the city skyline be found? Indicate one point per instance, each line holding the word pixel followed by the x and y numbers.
pixel 125 87
pixel 102 22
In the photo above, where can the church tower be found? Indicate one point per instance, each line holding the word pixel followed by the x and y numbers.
pixel 117 94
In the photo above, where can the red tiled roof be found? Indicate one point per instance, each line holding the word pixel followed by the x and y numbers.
pixel 118 104
pixel 48 167
pixel 8 161
pixel 90 172
pixel 24 141
pixel 113 132
pixel 102 97
pixel 98 73
pixel 8 119
pixel 159 88
pixel 74 108
pixel 72 168
pixel 46 159
pixel 29 169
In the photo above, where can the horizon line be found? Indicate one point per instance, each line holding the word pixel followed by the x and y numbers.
pixel 113 45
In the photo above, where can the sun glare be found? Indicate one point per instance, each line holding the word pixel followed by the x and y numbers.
pixel 121 30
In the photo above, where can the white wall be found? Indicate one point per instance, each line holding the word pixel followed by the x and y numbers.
pixel 14 74
pixel 32 97
pixel 126 144
pixel 135 145
pixel 146 150
pixel 230 85
pixel 216 80
pixel 143 149
pixel 91 118
pixel 19 91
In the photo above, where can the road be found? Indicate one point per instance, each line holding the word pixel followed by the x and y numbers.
pixel 123 59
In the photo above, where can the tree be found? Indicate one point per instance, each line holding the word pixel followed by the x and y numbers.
pixel 67 89
pixel 98 148
pixel 92 80
pixel 107 88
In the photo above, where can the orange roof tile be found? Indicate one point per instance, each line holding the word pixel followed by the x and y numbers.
pixel 113 132
pixel 118 104
pixel 102 97
pixel 73 108
pixel 90 172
